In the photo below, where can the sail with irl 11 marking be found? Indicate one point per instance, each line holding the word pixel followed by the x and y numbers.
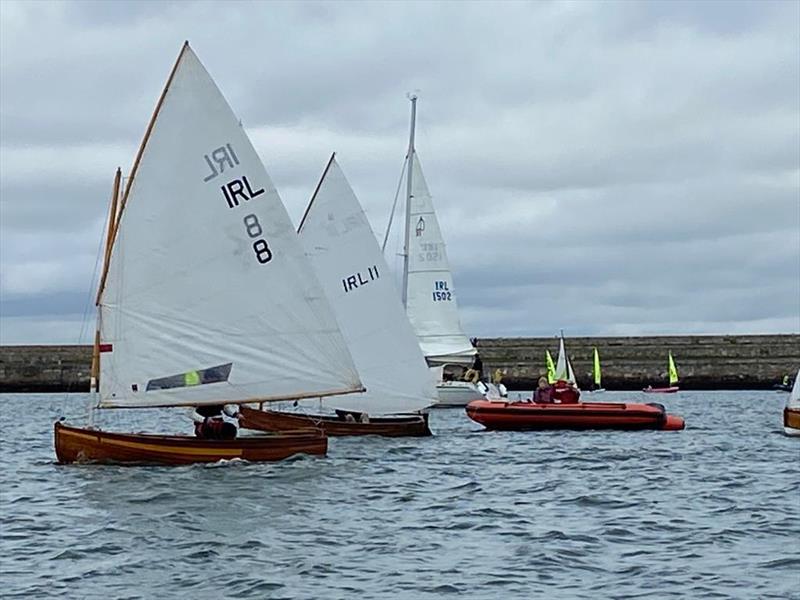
pixel 348 261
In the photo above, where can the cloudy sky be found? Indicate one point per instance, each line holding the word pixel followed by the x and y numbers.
pixel 614 168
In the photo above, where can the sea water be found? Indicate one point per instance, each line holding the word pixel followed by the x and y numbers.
pixel 709 512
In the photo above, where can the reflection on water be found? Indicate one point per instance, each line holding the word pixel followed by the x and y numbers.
pixel 704 513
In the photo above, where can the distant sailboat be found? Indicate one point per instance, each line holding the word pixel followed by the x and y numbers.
pixel 551 367
pixel 206 297
pixel 791 412
pixel 566 386
pixel 597 378
pixel 346 257
pixel 427 289
pixel 673 380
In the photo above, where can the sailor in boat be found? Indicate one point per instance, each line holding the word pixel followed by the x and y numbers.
pixel 497 380
pixel 543 394
pixel 210 424
pixel 209 421
pixel 475 373
pixel 565 392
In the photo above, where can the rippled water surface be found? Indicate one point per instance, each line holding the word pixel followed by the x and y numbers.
pixel 709 512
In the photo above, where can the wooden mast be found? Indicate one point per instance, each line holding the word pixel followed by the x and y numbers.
pixel 113 235
pixel 112 224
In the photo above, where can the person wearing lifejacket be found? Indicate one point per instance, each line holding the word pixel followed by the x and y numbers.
pixel 786 380
pixel 565 392
pixel 544 393
pixel 209 423
pixel 475 373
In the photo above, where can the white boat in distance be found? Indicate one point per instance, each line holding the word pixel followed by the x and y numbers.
pixel 427 289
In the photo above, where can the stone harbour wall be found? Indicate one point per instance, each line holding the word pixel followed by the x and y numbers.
pixel 629 363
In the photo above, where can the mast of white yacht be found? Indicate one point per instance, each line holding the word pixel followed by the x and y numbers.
pixel 409 177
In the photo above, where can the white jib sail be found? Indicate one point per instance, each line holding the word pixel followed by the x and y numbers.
pixel 209 296
pixel 431 304
pixel 562 372
pixel 348 261
pixel 794 397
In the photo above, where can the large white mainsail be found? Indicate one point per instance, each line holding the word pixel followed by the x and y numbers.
pixel 348 262
pixel 431 303
pixel 208 296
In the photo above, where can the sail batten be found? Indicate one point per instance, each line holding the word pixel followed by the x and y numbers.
pixel 348 261
pixel 205 268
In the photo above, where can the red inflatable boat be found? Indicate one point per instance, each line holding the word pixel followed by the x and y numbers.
pixel 585 415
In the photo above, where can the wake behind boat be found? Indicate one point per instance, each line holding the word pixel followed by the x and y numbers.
pixel 523 416
pixel 206 296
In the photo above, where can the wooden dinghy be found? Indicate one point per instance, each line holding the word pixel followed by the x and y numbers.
pixel 79 445
pixel 399 426
pixel 791 412
pixel 198 209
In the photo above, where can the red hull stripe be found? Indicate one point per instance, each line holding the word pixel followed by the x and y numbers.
pixel 106 347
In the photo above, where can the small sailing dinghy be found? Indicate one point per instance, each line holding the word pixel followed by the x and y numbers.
pixel 346 257
pixel 673 381
pixel 597 377
pixel 565 388
pixel 206 296
pixel 791 412
pixel 427 289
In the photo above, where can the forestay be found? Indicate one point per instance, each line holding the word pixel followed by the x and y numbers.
pixel 348 261
pixel 209 296
pixel 432 306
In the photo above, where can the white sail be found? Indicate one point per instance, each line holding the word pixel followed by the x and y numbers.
pixel 794 397
pixel 570 373
pixel 209 296
pixel 563 365
pixel 561 362
pixel 348 261
pixel 431 305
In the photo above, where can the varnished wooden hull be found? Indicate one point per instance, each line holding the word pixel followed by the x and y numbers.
pixel 78 445
pixel 791 421
pixel 269 420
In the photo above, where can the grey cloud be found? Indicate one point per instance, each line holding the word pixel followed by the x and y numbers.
pixel 617 167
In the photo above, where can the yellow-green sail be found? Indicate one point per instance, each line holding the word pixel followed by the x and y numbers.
pixel 673 371
pixel 551 368
pixel 596 369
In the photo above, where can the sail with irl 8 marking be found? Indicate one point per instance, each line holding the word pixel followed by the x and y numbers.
pixel 208 295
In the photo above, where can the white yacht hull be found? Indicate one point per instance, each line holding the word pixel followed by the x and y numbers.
pixel 457 393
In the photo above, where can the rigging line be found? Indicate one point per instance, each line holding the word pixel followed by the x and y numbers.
pixel 394 204
pixel 87 304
